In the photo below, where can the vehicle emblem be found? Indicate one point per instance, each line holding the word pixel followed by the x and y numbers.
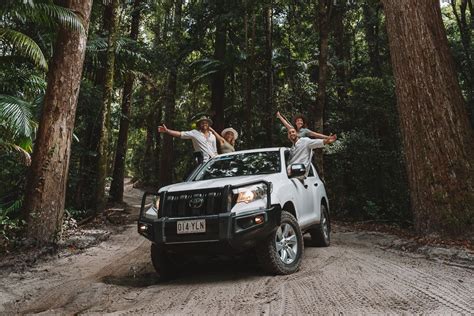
pixel 196 202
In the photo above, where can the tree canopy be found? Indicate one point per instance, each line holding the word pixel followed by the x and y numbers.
pixel 149 62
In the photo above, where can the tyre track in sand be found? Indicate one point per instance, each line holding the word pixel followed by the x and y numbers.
pixel 353 276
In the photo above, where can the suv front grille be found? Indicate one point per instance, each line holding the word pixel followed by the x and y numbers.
pixel 193 203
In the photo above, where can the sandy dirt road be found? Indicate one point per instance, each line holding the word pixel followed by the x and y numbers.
pixel 359 274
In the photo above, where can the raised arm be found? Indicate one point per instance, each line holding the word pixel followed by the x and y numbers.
pixel 330 139
pixel 218 137
pixel 317 135
pixel 319 143
pixel 164 129
pixel 284 121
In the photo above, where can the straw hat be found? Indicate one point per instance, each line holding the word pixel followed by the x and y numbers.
pixel 204 118
pixel 230 129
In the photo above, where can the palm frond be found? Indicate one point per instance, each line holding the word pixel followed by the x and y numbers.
pixel 11 206
pixel 24 46
pixel 45 13
pixel 35 84
pixel 126 48
pixel 205 67
pixel 16 114
pixel 48 13
pixel 20 81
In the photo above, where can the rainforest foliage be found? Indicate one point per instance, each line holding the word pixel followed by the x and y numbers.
pixel 149 62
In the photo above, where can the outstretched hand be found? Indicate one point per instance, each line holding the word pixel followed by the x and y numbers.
pixel 162 129
pixel 278 114
pixel 331 139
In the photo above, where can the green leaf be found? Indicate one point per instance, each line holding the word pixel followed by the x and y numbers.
pixel 16 114
pixel 23 45
pixel 44 13
pixel 62 16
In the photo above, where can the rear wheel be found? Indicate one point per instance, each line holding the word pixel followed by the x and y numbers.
pixel 282 251
pixel 163 262
pixel 321 233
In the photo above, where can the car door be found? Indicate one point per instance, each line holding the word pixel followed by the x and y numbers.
pixel 302 197
pixel 303 200
pixel 314 183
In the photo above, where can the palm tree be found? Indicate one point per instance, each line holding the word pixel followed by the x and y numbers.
pixel 16 43
pixel 22 86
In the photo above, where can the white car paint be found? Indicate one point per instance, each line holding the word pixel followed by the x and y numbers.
pixel 305 195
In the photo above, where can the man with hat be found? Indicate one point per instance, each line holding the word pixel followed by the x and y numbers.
pixel 204 142
pixel 301 150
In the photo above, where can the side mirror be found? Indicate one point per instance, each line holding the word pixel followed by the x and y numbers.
pixel 297 170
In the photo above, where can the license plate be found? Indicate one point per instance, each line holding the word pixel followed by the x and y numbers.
pixel 191 227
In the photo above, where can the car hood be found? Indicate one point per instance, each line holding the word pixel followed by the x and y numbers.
pixel 218 183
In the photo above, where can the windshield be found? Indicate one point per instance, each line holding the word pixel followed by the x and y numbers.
pixel 240 165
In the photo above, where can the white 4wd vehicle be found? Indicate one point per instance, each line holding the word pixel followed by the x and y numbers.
pixel 235 202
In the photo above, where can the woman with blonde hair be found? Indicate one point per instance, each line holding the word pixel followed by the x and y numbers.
pixel 226 139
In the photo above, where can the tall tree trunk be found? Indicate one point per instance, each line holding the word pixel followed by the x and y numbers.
pixel 437 136
pixel 371 14
pixel 106 108
pixel 248 76
pixel 466 28
pixel 166 161
pixel 218 78
pixel 46 186
pixel 87 185
pixel 268 106
pixel 116 187
pixel 342 52
pixel 148 161
pixel 84 194
pixel 158 114
pixel 324 16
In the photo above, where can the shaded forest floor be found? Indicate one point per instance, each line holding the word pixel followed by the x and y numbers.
pixel 104 267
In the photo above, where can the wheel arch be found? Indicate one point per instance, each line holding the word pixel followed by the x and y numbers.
pixel 290 208
pixel 324 201
pixel 326 204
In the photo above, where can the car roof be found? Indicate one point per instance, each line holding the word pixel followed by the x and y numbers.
pixel 255 150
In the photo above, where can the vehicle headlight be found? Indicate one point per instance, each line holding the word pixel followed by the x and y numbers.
pixel 250 193
pixel 152 211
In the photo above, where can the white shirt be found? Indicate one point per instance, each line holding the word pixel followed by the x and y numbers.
pixel 206 145
pixel 302 150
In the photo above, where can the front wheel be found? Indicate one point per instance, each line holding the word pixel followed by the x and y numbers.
pixel 163 263
pixel 282 251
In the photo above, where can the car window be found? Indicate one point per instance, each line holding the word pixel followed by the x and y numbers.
pixel 287 157
pixel 311 171
pixel 244 164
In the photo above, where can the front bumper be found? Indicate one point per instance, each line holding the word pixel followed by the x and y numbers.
pixel 226 231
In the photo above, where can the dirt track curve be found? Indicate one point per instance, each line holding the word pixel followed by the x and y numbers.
pixel 356 275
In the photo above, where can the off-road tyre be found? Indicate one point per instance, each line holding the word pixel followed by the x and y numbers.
pixel 267 254
pixel 163 262
pixel 321 233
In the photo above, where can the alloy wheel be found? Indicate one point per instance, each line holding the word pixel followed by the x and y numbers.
pixel 286 243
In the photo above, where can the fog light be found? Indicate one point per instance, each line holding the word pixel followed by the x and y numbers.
pixel 143 227
pixel 259 219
